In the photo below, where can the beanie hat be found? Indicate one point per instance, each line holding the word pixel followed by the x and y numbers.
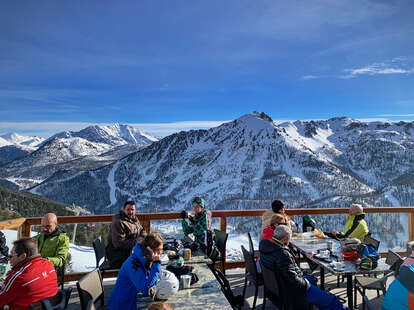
pixel 199 201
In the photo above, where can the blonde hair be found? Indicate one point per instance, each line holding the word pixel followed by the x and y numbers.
pixel 357 207
pixel 278 218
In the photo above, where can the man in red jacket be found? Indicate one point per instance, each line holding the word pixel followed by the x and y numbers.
pixel 31 278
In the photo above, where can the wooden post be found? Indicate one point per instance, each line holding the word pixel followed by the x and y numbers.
pixel 223 223
pixel 147 225
pixel 25 230
pixel 411 226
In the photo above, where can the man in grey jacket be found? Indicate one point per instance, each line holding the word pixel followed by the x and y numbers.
pixel 297 289
pixel 125 232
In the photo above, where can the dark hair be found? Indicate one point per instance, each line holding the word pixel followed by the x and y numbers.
pixel 151 242
pixel 277 205
pixel 129 202
pixel 26 245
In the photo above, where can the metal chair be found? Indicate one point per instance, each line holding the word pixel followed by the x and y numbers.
pixel 236 301
pixel 100 255
pixel 57 302
pixel 368 303
pixel 251 274
pixel 251 246
pixel 368 283
pixel 90 287
pixel 271 288
pixel 368 240
pixel 221 240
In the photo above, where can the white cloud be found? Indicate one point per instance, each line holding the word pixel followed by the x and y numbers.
pixel 309 77
pixel 394 67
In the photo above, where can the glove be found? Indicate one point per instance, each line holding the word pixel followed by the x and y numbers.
pixel 184 214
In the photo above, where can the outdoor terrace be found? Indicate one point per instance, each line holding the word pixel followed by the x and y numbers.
pixel 235 273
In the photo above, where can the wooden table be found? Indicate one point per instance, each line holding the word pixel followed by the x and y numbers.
pixel 309 246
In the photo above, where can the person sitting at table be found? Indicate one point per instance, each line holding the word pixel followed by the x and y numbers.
pixel 139 273
pixel 410 259
pixel 278 207
pixel 355 226
pixel 276 220
pixel 198 224
pixel 297 289
pixel 125 231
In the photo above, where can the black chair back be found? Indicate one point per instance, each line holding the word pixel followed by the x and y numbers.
pixel 251 247
pixel 57 302
pixel 90 287
pixel 221 240
pixel 249 263
pixel 236 301
pixel 395 261
pixel 100 252
pixel 368 240
pixel 271 286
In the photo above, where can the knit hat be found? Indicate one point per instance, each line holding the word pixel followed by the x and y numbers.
pixel 199 201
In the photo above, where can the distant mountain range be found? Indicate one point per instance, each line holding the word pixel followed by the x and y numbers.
pixel 69 152
pixel 251 161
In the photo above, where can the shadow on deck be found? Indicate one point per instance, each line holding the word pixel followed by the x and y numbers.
pixel 236 277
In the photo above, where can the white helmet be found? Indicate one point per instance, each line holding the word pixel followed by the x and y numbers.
pixel 167 285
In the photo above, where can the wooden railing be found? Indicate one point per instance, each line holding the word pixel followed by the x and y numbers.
pixel 24 225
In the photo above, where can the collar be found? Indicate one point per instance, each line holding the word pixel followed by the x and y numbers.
pixel 278 242
pixel 25 261
pixel 125 217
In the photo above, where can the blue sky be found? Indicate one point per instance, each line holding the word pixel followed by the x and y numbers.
pixel 187 64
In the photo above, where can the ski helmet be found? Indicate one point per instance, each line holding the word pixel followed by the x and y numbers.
pixel 167 285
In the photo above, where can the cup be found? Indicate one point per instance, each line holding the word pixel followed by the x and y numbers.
pixel 308 229
pixel 187 254
pixel 186 281
pixel 329 245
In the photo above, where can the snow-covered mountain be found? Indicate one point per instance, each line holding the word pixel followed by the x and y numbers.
pixel 251 161
pixel 90 148
pixel 113 135
pixel 19 140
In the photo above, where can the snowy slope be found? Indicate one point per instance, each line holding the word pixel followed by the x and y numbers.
pixel 17 139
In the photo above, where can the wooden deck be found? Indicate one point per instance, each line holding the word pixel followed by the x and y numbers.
pixel 236 277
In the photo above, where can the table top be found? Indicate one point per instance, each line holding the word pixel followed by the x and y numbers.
pixel 334 264
pixel 205 294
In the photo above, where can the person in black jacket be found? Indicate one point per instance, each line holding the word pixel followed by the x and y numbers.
pixel 297 289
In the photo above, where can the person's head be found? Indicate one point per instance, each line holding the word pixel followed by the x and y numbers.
pixel 49 223
pixel 283 233
pixel 158 305
pixel 278 219
pixel 22 249
pixel 155 242
pixel 129 208
pixel 199 204
pixel 355 209
pixel 278 206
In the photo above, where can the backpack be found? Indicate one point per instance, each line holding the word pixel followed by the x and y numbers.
pixel 368 255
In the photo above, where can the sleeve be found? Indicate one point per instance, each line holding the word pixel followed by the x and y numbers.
pixel 142 233
pixel 290 275
pixel 119 236
pixel 143 283
pixel 187 228
pixel 205 222
pixel 61 252
pixel 10 291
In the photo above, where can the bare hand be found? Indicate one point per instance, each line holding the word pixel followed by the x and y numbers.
pixel 156 257
pixel 140 239
pixel 334 232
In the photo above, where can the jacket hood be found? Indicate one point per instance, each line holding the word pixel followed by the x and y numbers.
pixel 268 232
pixel 123 216
pixel 137 254
pixel 56 232
pixel 406 277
